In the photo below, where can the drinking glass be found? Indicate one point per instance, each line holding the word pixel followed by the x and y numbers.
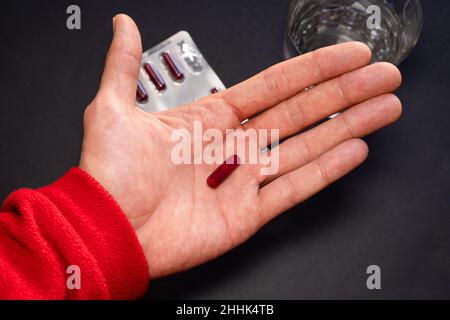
pixel 391 28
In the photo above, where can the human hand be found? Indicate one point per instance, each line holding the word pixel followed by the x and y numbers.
pixel 179 220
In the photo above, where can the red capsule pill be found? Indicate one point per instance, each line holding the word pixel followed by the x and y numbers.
pixel 155 76
pixel 223 171
pixel 141 94
pixel 214 90
pixel 173 67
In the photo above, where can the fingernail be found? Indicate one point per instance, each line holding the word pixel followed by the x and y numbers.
pixel 114 23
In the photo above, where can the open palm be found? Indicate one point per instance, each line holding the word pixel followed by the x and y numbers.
pixel 179 220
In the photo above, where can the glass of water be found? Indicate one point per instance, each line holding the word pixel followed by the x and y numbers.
pixel 391 28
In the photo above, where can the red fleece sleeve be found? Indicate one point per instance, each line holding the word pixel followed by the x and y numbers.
pixel 73 222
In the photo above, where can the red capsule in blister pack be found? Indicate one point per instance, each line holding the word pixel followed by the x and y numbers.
pixel 141 94
pixel 174 73
pixel 155 76
pixel 172 66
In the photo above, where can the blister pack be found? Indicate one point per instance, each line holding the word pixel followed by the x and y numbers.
pixel 174 73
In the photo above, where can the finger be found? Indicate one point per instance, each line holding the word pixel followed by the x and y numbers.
pixel 123 61
pixel 299 185
pixel 327 98
pixel 355 122
pixel 285 79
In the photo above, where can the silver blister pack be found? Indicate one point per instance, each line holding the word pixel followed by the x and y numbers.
pixel 174 73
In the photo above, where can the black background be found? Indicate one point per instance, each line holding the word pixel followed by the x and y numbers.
pixel 393 211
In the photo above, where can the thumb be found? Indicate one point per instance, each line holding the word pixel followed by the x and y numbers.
pixel 123 61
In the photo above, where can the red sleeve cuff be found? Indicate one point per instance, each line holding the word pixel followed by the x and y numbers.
pixel 109 248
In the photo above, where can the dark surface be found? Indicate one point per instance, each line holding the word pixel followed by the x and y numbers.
pixel 394 211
